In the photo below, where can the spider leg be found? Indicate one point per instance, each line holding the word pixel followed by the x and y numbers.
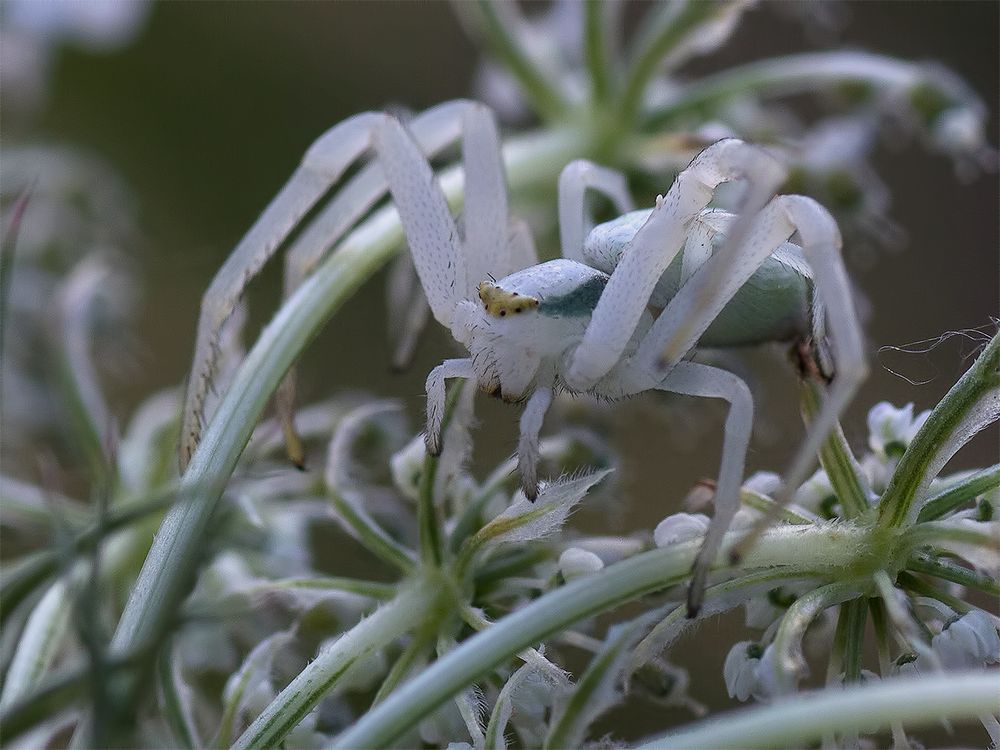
pixel 407 310
pixel 694 379
pixel 574 218
pixel 821 245
pixel 436 398
pixel 655 245
pixel 433 131
pixel 521 245
pixel 423 210
pixel 700 301
pixel 485 216
pixel 322 165
pixel 527 445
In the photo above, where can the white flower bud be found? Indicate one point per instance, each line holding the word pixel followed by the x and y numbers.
pixel 575 563
pixel 890 429
pixel 740 669
pixel 680 527
pixel 407 465
pixel 969 641
pixel 764 482
pixel 815 494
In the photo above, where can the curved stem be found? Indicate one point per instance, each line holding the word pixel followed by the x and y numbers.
pixel 582 598
pixel 947 423
pixel 671 27
pixel 502 36
pixel 788 660
pixel 595 24
pixel 320 676
pixel 806 717
pixel 948 571
pixel 782 76
pixel 969 488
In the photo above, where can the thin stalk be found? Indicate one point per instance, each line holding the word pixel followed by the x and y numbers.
pixel 428 523
pixel 56 692
pixel 375 539
pixel 670 28
pixel 414 652
pixel 371 589
pixel 946 570
pixel 911 583
pixel 502 37
pixel 880 624
pixel 947 418
pixel 40 640
pixel 26 574
pixel 167 572
pixel 958 494
pixel 783 76
pixel 855 616
pixel 322 674
pixel 8 246
pixel 942 531
pixel 593 692
pixel 733 593
pixel 836 458
pixel 788 661
pixel 596 22
pixel 765 504
pixel 619 583
pixel 806 717
pixel 175 708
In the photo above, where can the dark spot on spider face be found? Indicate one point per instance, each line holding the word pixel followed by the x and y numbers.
pixel 503 313
pixel 517 309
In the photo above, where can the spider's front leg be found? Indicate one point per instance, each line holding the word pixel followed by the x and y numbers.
pixel 437 398
pixel 400 165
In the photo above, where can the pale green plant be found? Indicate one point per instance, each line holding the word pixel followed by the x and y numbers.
pixel 460 633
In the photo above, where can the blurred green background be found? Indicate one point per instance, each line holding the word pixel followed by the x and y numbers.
pixel 208 111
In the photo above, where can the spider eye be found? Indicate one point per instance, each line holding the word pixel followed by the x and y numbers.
pixel 503 313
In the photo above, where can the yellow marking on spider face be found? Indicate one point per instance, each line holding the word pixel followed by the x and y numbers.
pixel 500 303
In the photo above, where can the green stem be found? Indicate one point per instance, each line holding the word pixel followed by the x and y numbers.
pixel 836 458
pixel 949 571
pixel 166 575
pixel 582 598
pixel 417 649
pixel 376 631
pixel 788 661
pixel 371 535
pixel 598 64
pixel 783 76
pixel 546 99
pixel 944 422
pixel 733 593
pixel 911 583
pixel 26 574
pixel 806 717
pixel 942 531
pixel 958 494
pixel 880 625
pixel 765 504
pixel 371 589
pixel 664 34
pixel 855 616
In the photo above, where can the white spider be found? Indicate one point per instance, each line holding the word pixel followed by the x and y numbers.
pixel 582 322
